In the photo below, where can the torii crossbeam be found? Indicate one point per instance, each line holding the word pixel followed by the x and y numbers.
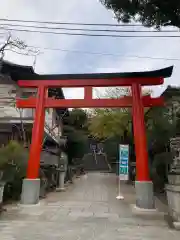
pixel 88 81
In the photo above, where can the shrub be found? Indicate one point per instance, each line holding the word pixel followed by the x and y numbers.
pixel 13 164
pixel 159 170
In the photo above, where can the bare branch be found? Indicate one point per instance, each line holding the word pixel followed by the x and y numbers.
pixel 14 44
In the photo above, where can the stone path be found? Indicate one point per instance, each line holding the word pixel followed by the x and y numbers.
pixel 87 210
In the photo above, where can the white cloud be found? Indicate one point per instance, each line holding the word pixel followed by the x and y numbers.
pixel 67 11
pixel 167 48
pixel 76 93
pixel 29 10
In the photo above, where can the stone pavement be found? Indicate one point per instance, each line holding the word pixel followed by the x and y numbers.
pixel 88 210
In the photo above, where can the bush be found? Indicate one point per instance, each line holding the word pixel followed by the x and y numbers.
pixel 159 170
pixel 13 164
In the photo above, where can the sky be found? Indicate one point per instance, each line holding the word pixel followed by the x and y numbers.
pixel 70 61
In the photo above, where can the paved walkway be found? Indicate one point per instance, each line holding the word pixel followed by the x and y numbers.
pixel 88 210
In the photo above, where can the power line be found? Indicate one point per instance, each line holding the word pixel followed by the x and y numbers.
pixel 82 29
pixel 92 53
pixel 110 54
pixel 104 54
pixel 86 29
pixel 91 35
pixel 70 23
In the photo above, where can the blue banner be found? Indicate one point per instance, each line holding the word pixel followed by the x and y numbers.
pixel 124 162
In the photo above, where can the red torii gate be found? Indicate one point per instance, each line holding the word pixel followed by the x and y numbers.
pixel 88 81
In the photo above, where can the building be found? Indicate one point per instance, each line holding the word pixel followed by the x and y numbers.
pixel 17 123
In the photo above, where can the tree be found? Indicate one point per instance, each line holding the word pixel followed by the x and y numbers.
pixel 76 142
pixel 75 129
pixel 149 12
pixel 107 123
pixel 160 129
pixel 116 122
pixel 161 125
pixel 78 118
pixel 13 44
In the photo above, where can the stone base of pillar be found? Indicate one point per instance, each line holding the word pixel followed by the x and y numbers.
pixel 176 225
pixel 30 191
pixel 60 189
pixel 173 196
pixel 144 195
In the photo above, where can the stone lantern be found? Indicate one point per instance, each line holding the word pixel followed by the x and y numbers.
pixel 173 187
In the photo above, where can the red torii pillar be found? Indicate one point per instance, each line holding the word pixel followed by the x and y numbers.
pixel 144 188
pixel 143 184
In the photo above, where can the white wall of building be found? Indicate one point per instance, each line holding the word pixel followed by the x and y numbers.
pixel 8 110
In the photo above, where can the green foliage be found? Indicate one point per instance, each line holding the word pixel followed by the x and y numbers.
pixel 76 132
pixel 77 118
pixel 150 13
pixel 75 135
pixel 77 144
pixel 13 161
pixel 163 158
pixel 160 128
pixel 111 147
pixel 107 123
pixel 13 165
pixel 159 170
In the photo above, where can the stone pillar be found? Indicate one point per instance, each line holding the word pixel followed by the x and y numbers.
pixel 173 187
pixel 61 181
pixel 62 169
pixel 1 192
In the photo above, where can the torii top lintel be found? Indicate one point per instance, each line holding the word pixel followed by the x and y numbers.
pixel 97 79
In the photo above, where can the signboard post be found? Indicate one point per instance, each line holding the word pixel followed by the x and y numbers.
pixel 123 167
